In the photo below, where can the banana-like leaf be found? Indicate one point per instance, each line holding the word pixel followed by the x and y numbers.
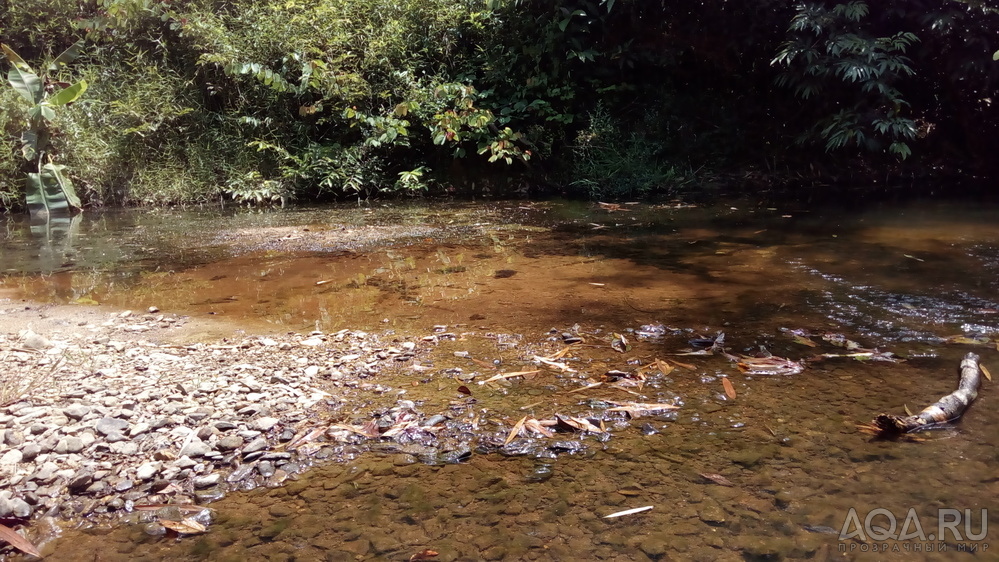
pixel 40 112
pixel 15 60
pixel 26 83
pixel 69 95
pixel 29 144
pixel 51 192
pixel 67 56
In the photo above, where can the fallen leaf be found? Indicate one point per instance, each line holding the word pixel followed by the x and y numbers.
pixel 577 424
pixel 15 540
pixel 536 426
pixel 182 507
pixel 619 343
pixel 587 387
pixel 516 429
pixel 729 389
pixel 550 363
pixel 684 365
pixel 716 478
pixel 908 412
pixel 636 409
pixel 502 376
pixel 803 340
pixel 464 390
pixel 628 512
pixel 664 367
pixel 185 527
pixel 985 372
pixel 424 555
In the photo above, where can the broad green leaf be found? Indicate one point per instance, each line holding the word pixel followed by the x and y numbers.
pixel 51 192
pixel 995 55
pixel 26 83
pixel 15 60
pixel 67 56
pixel 69 95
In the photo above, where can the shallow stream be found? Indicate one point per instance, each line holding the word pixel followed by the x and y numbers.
pixel 770 473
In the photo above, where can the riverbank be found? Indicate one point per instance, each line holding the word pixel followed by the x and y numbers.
pixel 107 410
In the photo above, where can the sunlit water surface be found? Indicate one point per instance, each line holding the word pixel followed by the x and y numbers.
pixel 894 278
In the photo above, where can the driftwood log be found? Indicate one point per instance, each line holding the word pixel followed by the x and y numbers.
pixel 947 409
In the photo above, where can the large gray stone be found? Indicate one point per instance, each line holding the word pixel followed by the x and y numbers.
pixel 107 426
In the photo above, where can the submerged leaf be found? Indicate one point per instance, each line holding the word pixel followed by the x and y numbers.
pixel 729 389
pixel 716 478
pixel 186 527
pixel 516 429
pixel 628 512
pixel 11 537
pixel 985 372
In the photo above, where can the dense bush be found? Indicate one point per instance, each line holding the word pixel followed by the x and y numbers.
pixel 260 101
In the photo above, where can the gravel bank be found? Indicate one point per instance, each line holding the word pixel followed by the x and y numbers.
pixel 107 410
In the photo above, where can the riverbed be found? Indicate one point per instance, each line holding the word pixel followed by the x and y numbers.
pixel 602 308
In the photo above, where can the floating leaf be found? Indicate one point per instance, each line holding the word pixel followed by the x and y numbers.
pixel 516 429
pixel 12 538
pixel 185 527
pixel 729 389
pixel 464 390
pixel 985 372
pixel 628 512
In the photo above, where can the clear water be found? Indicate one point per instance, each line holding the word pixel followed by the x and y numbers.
pixel 894 278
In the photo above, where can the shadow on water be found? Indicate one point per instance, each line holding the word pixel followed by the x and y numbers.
pixel 784 460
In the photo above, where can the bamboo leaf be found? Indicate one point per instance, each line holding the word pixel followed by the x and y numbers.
pixel 17 541
pixel 729 389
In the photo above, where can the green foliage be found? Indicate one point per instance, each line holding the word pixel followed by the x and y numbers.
pixel 48 189
pixel 610 163
pixel 830 50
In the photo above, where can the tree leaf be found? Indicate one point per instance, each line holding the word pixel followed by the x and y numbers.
pixel 69 95
pixel 17 541
pixel 15 60
pixel 67 56
pixel 26 83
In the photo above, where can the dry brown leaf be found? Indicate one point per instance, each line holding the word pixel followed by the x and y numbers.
pixel 185 527
pixel 684 365
pixel 537 427
pixel 729 389
pixel 516 429
pixel 803 340
pixel 636 409
pixel 550 363
pixel 464 390
pixel 716 478
pixel 502 376
pixel 11 537
pixel 664 367
pixel 985 372
pixel 182 507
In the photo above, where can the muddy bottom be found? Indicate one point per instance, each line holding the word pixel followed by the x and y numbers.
pixel 773 472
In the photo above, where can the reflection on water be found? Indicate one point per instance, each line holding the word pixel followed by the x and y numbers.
pixel 894 279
